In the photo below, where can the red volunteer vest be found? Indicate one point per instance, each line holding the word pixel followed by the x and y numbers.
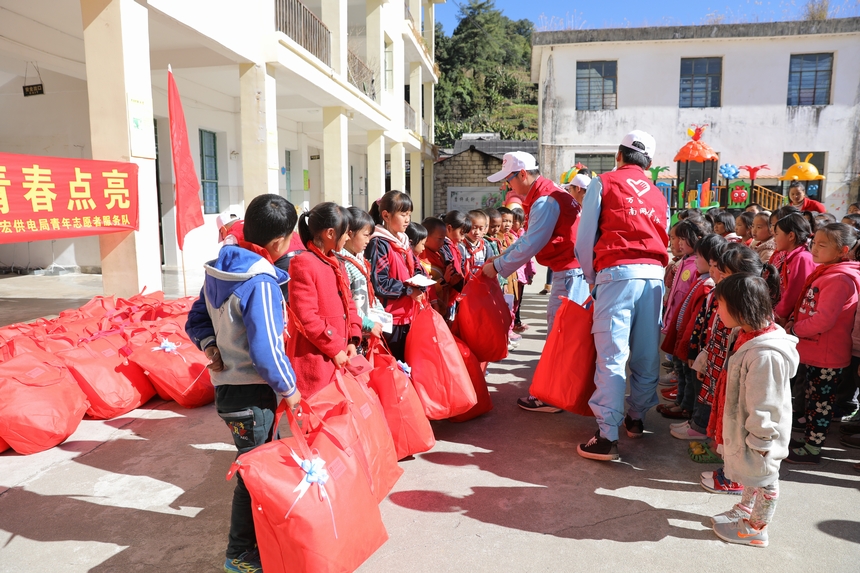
pixel 557 254
pixel 632 221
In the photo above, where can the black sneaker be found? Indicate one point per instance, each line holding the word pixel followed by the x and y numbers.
pixel 849 429
pixel 532 404
pixel 635 428
pixel 598 448
pixel 248 562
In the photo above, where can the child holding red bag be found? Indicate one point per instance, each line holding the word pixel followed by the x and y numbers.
pixel 238 322
pixel 393 264
pixel 327 329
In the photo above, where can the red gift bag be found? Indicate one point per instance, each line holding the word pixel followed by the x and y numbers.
pixel 173 364
pixel 438 371
pixel 479 383
pixel 113 385
pixel 98 306
pixel 483 318
pixel 403 411
pixel 40 403
pixel 564 376
pixel 313 509
pixel 3 445
pixel 364 412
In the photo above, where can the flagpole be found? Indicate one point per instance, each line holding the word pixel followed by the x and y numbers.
pixel 184 280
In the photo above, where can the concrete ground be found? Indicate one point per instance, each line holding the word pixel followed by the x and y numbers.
pixel 504 492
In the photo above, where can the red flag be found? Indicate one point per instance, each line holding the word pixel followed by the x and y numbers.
pixel 189 214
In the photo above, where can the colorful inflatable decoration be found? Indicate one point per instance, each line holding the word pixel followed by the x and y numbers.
pixel 802 170
pixel 729 171
pixel 656 171
pixel 739 194
pixel 753 171
pixel 696 149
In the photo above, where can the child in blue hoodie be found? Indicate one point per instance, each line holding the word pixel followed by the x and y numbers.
pixel 238 321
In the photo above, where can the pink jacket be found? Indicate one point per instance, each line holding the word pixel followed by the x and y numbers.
pixel 685 277
pixel 798 265
pixel 825 319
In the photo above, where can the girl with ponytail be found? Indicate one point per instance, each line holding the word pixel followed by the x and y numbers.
pixel 392 264
pixel 325 329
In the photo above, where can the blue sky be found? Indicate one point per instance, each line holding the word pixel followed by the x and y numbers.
pixel 567 14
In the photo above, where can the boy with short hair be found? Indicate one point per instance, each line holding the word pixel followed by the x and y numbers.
pixel 238 321
pixel 476 248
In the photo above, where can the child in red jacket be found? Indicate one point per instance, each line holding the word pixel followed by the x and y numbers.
pixel 392 265
pixel 680 330
pixel 790 235
pixel 326 329
pixel 823 320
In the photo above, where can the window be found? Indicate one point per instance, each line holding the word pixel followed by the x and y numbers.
pixel 809 79
pixel 596 85
pixel 209 171
pixel 389 65
pixel 598 163
pixel 700 82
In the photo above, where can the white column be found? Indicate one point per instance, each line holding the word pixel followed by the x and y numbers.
pixel 335 169
pixel 334 17
pixel 416 89
pixel 259 119
pixel 429 106
pixel 398 166
pixel 375 165
pixel 415 181
pixel 429 188
pixel 430 26
pixel 375 41
pixel 116 48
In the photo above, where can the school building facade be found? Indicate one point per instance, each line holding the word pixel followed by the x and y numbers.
pixel 321 100
pixel 765 90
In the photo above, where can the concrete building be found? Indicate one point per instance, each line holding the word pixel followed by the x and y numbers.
pixel 319 101
pixel 766 91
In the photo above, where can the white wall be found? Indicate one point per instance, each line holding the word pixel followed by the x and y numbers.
pixel 55 124
pixel 753 127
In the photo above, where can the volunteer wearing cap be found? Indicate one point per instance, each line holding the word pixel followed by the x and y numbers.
pixel 622 245
pixel 550 219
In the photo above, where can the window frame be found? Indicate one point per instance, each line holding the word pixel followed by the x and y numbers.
pixel 815 77
pixel 206 183
pixel 601 81
pixel 588 159
pixel 708 87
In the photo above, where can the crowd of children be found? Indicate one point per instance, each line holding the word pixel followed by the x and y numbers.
pixel 761 327
pixel 353 276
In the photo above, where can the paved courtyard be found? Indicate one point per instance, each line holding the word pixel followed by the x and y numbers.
pixel 504 492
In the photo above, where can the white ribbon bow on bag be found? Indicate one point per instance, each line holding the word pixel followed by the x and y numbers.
pixel 315 473
pixel 169 348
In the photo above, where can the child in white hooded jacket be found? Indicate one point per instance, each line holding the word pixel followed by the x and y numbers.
pixel 757 414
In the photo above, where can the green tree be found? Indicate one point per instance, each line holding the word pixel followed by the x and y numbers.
pixel 484 80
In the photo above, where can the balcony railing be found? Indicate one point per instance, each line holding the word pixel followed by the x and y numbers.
pixel 360 75
pixel 407 13
pixel 425 131
pixel 295 20
pixel 410 118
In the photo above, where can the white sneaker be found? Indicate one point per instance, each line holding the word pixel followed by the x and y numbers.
pixel 687 433
pixel 735 514
pixel 680 425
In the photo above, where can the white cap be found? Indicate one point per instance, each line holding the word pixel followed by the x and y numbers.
pixel 641 142
pixel 513 163
pixel 225 217
pixel 580 180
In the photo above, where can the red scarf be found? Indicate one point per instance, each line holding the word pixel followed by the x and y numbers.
pixel 343 284
pixel 256 249
pixel 434 258
pixel 720 390
pixel 456 256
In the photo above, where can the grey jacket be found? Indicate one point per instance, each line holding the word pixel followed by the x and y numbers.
pixel 757 414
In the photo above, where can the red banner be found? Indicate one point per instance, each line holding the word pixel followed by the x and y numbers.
pixel 44 198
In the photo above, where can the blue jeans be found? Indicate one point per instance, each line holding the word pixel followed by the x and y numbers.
pixel 569 284
pixel 688 388
pixel 626 333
